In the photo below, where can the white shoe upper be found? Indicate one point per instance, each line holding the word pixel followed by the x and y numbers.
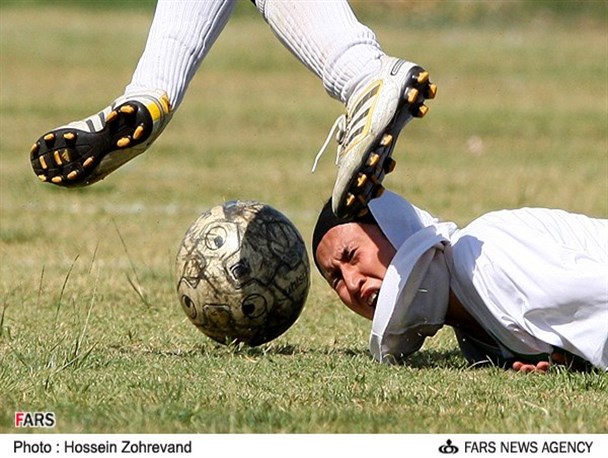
pixel 373 106
pixel 85 151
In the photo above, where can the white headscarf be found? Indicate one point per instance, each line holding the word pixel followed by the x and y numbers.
pixel 413 299
pixel 557 297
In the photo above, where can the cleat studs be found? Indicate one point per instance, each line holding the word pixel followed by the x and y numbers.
pixel 389 165
pixel 361 180
pixel 363 212
pixel 127 109
pixel 49 137
pixel 111 116
pixel 65 155
pixel 35 148
pixel 123 142
pixel 422 77
pixel 57 158
pixel 138 132
pixel 73 174
pixel 69 136
pixel 373 159
pixel 350 199
pixel 431 91
pixel 56 180
pixel 42 178
pixel 88 162
pixel 362 199
pixel 422 110
pixel 387 139
pixel 43 163
pixel 412 95
pixel 378 191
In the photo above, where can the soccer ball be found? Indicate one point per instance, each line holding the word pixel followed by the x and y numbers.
pixel 243 273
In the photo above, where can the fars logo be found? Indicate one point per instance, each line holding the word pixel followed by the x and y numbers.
pixel 35 420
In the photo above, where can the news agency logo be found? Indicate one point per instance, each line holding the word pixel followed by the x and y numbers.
pixel 35 420
pixel 448 448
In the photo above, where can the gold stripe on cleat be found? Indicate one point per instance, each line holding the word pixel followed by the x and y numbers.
pixel 362 199
pixel 127 109
pixel 88 162
pixel 422 110
pixel 65 155
pixel 138 132
pixel 49 137
pixel 43 163
pixel 56 180
pixel 350 199
pixel 431 91
pixel 42 177
pixel 361 180
pixel 35 148
pixel 57 158
pixel 123 142
pixel 422 77
pixel 387 139
pixel 154 111
pixel 73 174
pixel 412 95
pixel 69 136
pixel 111 116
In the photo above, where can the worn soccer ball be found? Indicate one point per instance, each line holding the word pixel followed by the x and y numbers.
pixel 243 273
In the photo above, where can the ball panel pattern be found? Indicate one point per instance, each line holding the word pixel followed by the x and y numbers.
pixel 243 273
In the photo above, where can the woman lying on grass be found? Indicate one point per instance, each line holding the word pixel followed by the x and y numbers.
pixel 522 288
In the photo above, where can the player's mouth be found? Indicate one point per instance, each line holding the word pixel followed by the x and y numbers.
pixel 372 299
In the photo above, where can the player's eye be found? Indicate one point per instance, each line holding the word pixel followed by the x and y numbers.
pixel 334 278
pixel 347 254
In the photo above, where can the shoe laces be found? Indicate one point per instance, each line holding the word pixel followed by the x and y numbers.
pixel 339 129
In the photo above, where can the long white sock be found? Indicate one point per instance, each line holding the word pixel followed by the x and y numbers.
pixel 327 37
pixel 181 35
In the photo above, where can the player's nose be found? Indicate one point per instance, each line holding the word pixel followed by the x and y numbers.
pixel 353 280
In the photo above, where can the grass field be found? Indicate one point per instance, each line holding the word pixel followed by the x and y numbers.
pixel 90 324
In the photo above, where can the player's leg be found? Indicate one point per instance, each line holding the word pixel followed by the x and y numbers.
pixel 381 93
pixel 83 152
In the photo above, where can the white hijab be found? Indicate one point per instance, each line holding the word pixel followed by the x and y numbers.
pixel 557 297
pixel 413 299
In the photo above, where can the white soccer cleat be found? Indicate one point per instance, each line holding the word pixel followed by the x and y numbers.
pixel 367 133
pixel 86 151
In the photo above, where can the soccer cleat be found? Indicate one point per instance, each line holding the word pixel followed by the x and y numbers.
pixel 86 151
pixel 367 133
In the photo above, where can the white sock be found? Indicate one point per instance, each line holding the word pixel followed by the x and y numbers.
pixel 181 35
pixel 327 37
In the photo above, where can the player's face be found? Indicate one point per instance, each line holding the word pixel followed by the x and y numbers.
pixel 353 258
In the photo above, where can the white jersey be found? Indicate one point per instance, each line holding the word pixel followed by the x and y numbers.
pixel 533 278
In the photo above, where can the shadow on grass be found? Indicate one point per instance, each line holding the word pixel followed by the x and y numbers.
pixel 447 359
pixel 282 350
pixel 244 350
pixel 425 359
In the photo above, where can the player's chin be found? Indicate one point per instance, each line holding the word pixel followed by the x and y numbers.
pixel 363 310
pixel 366 311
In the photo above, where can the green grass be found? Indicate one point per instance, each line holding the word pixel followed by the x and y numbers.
pixel 91 328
